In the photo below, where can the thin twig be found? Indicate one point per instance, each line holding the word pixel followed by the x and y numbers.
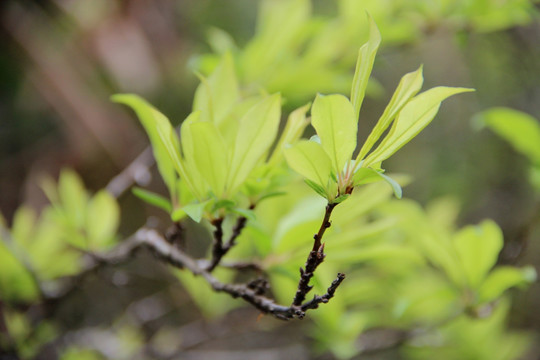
pixel 315 258
pixel 248 292
pixel 138 172
pixel 219 249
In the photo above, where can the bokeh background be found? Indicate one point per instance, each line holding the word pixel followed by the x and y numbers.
pixel 60 60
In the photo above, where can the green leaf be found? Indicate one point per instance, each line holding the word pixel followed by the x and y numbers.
pixel 340 198
pixel 294 128
pixel 414 117
pixel 257 132
pixel 409 85
pixel 217 95
pixel 398 192
pixel 153 199
pixel 478 248
pixel 219 40
pixel 194 211
pixel 504 278
pixel 333 118
pixel 210 155
pixel 364 65
pixel 365 176
pixel 188 150
pixel 73 197
pixel 16 282
pixel 310 160
pixel 163 138
pixel 248 214
pixel 521 130
pixel 318 188
pixel 148 116
pixel 279 25
pixel 102 219
pixel 23 228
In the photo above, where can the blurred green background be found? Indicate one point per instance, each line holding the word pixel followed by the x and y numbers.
pixel 60 61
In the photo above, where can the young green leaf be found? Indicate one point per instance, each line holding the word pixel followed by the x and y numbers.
pixel 393 183
pixel 210 155
pixel 504 278
pixel 152 199
pixel 163 138
pixel 194 211
pixel 188 150
pixel 73 197
pixel 296 123
pixel 414 117
pixel 16 282
pixel 257 131
pixel 409 85
pixel 146 114
pixel 216 96
pixel 478 248
pixel 102 219
pixel 333 118
pixel 521 130
pixel 364 65
pixel 310 160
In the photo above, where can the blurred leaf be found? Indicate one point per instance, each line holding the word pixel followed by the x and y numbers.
pixel 16 282
pixel 310 160
pixel 279 25
pixel 153 199
pixel 210 155
pixel 23 227
pixel 103 216
pixel 414 117
pixel 247 213
pixel 219 40
pixel 408 87
pixel 364 65
pixel 73 197
pixel 194 211
pixel 257 132
pixel 478 248
pixel 504 278
pixel 521 130
pixel 75 353
pixel 333 118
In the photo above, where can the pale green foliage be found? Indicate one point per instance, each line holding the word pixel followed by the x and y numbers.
pixel 364 65
pixel 405 266
pixel 334 119
pixel 291 45
pixel 225 144
pixel 467 338
pixel 521 130
pixel 51 246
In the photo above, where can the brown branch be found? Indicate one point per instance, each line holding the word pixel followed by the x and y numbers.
pixel 251 292
pixel 138 172
pixel 315 258
pixel 219 249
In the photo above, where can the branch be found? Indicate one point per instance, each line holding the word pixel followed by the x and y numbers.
pixel 219 249
pixel 315 258
pixel 251 292
pixel 138 172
